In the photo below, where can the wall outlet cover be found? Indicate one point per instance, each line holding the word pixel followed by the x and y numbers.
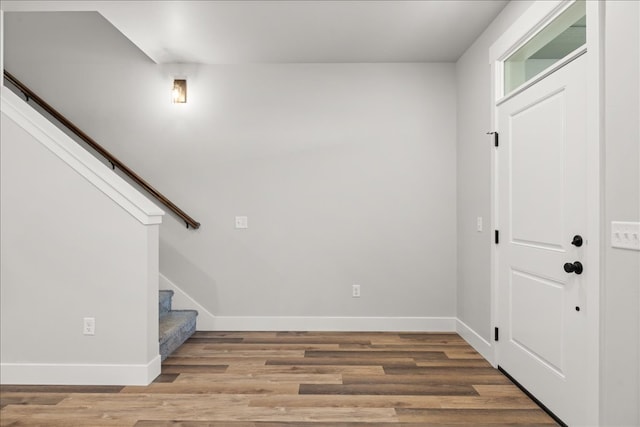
pixel 355 291
pixel 625 235
pixel 242 222
pixel 89 326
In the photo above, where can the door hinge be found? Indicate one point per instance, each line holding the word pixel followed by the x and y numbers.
pixel 495 138
pixel 496 334
pixel 496 237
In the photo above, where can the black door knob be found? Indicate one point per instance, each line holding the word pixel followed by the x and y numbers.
pixel 576 267
pixel 577 240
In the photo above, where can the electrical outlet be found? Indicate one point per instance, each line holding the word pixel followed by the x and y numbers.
pixel 242 222
pixel 479 224
pixel 89 326
pixel 355 291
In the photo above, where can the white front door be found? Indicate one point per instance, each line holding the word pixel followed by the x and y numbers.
pixel 542 205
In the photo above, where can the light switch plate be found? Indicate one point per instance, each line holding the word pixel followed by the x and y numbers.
pixel 242 222
pixel 479 224
pixel 625 235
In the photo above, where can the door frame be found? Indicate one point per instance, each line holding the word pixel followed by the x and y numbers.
pixel 533 20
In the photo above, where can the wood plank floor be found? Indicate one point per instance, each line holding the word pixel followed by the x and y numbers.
pixel 306 379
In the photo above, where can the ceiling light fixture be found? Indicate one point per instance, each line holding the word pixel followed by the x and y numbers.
pixel 179 92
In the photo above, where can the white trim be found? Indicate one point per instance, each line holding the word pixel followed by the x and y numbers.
pixel 594 247
pixel 496 77
pixel 552 69
pixel 79 374
pixel 532 20
pixel 205 321
pixel 347 324
pixel 67 150
pixel 476 341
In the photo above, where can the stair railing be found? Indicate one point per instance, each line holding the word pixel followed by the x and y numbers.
pixel 113 160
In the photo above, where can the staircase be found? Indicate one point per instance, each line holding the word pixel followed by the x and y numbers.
pixel 176 326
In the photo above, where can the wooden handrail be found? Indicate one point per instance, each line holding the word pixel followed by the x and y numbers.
pixel 29 94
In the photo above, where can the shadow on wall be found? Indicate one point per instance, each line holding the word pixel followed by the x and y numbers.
pixel 188 277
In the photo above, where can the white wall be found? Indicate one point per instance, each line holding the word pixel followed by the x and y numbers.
pixel 620 357
pixel 474 151
pixel 346 172
pixel 69 251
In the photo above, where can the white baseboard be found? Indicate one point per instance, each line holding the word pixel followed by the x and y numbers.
pixel 182 301
pixel 208 322
pixel 321 323
pixel 79 374
pixel 481 345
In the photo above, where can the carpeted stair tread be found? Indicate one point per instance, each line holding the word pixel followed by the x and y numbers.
pixel 176 326
pixel 165 301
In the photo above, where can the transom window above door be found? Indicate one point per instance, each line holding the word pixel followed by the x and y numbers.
pixel 561 37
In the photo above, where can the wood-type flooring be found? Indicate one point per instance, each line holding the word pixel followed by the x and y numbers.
pixel 306 379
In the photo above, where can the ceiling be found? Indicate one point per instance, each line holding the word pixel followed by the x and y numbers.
pixel 232 32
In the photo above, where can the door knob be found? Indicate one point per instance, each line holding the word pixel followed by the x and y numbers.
pixel 577 240
pixel 576 267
